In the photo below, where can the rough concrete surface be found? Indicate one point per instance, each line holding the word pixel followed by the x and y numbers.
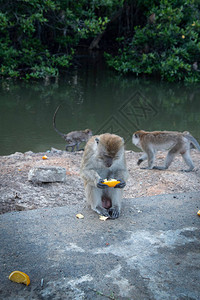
pixel 151 252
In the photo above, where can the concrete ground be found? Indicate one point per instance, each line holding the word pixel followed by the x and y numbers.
pixel 151 252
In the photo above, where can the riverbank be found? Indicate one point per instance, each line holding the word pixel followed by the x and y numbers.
pixel 17 193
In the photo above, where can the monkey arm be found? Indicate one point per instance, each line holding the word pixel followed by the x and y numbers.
pixel 120 174
pixel 90 176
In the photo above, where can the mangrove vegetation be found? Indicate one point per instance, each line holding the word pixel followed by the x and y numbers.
pixel 42 38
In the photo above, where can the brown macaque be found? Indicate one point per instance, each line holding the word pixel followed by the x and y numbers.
pixel 174 141
pixel 195 66
pixel 152 18
pixel 104 158
pixel 73 138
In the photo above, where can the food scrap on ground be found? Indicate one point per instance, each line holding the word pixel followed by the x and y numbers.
pixel 102 218
pixel 44 157
pixel 19 277
pixel 80 216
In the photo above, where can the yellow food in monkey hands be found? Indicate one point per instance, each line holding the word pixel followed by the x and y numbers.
pixel 19 277
pixel 111 182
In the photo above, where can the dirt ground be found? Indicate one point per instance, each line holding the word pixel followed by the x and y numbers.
pixel 17 193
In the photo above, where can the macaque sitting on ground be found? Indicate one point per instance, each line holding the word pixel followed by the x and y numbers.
pixel 175 142
pixel 73 138
pixel 104 158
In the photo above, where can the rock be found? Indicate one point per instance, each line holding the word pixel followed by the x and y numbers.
pixel 47 174
pixel 17 155
pixel 29 153
pixel 54 150
pixel 23 207
pixel 20 207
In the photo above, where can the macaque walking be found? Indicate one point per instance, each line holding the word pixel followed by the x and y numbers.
pixel 104 158
pixel 73 138
pixel 175 142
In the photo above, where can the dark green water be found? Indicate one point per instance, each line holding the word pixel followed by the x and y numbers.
pixel 92 97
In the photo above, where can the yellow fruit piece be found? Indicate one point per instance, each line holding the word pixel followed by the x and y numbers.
pixel 111 182
pixel 79 216
pixel 102 218
pixel 198 213
pixel 19 277
pixel 44 157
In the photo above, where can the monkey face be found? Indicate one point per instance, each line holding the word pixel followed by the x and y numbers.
pixel 108 161
pixel 109 148
pixel 135 139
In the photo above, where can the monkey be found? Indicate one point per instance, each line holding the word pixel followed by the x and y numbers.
pixel 152 18
pixel 73 138
pixel 104 158
pixel 174 141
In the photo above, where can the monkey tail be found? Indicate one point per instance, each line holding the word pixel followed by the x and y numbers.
pixel 54 122
pixel 193 141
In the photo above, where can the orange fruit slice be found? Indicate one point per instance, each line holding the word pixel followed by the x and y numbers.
pixel 111 182
pixel 19 277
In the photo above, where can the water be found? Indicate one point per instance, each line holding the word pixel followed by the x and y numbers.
pixel 92 96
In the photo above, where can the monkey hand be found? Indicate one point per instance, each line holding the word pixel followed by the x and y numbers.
pixel 100 184
pixel 139 161
pixel 120 185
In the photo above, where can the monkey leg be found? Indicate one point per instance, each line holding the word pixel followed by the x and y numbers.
pixel 67 147
pixel 160 168
pixel 72 146
pixel 116 196
pixel 170 156
pixel 151 158
pixel 94 198
pixel 187 158
pixel 77 146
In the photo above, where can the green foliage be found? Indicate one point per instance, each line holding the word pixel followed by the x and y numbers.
pixel 38 38
pixel 168 47
pixel 93 27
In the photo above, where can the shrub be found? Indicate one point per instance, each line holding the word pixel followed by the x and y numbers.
pixel 168 47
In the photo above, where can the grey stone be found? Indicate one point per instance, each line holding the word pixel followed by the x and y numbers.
pixel 47 174
pixel 54 150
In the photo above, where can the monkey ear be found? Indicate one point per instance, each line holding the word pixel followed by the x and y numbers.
pixel 97 140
